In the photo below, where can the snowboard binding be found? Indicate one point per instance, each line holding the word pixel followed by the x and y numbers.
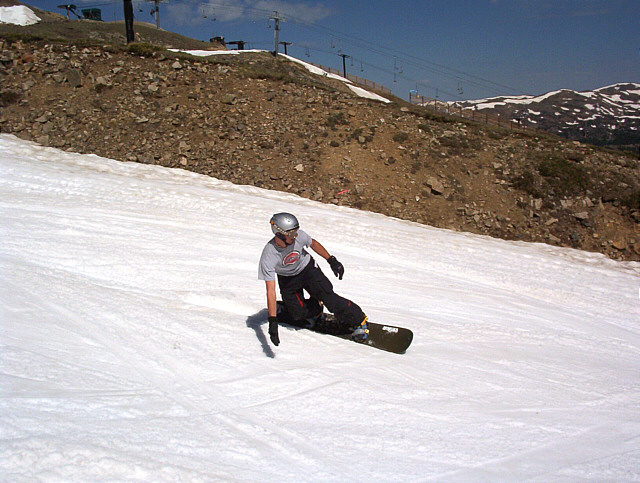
pixel 361 333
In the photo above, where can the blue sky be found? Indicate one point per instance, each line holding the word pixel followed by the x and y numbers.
pixel 450 49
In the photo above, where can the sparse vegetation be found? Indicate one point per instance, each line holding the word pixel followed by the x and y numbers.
pixel 8 97
pixel 632 200
pixel 143 49
pixel 337 119
pixel 527 182
pixel 567 177
pixel 400 137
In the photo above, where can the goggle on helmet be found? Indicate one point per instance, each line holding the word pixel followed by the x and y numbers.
pixel 284 224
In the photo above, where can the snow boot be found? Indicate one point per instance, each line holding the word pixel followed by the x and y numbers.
pixel 316 308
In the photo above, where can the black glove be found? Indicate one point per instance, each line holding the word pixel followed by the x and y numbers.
pixel 336 266
pixel 273 330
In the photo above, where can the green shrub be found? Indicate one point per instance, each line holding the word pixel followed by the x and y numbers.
pixel 12 37
pixel 527 182
pixel 8 97
pixel 400 137
pixel 142 49
pixel 632 200
pixel 336 119
pixel 565 176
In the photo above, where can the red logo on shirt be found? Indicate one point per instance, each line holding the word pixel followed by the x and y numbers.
pixel 292 258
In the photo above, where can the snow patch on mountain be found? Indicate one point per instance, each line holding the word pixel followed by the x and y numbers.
pixel 18 15
pixel 595 114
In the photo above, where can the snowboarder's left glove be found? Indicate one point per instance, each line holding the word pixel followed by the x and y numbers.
pixel 336 266
pixel 273 330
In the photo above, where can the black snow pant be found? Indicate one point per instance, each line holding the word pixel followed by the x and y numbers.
pixel 319 288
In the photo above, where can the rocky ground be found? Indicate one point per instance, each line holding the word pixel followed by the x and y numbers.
pixel 257 120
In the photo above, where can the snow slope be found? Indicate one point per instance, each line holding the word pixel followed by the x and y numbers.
pixel 133 344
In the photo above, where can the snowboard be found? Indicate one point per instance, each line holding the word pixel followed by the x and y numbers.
pixel 381 336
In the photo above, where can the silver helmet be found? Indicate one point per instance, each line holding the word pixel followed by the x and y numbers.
pixel 285 224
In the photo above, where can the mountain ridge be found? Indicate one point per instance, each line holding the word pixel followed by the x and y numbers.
pixel 607 116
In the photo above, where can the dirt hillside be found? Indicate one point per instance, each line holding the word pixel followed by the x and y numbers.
pixel 264 121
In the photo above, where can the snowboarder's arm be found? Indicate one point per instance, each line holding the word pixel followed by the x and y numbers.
pixel 319 249
pixel 271 297
pixel 336 266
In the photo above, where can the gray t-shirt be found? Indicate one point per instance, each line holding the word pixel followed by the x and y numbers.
pixel 287 261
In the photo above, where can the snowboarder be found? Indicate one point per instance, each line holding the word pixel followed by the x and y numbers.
pixel 285 256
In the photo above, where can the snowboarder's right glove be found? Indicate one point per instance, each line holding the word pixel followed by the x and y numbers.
pixel 273 330
pixel 336 266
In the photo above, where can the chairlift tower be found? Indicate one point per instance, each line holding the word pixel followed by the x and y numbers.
pixel 344 64
pixel 285 46
pixel 70 9
pixel 156 10
pixel 128 21
pixel 276 17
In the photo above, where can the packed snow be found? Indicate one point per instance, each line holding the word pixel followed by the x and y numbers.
pixel 133 341
pixel 359 91
pixel 18 15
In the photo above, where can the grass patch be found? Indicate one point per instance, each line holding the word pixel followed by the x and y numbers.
pixel 12 37
pixel 337 119
pixel 527 182
pixel 400 137
pixel 564 176
pixel 8 97
pixel 142 49
pixel 632 199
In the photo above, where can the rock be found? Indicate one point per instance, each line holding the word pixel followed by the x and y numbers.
pixel 74 78
pixel 176 65
pixel 43 140
pixel 619 244
pixel 299 168
pixel 583 215
pixel 436 186
pixel 228 99
pixel 553 239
